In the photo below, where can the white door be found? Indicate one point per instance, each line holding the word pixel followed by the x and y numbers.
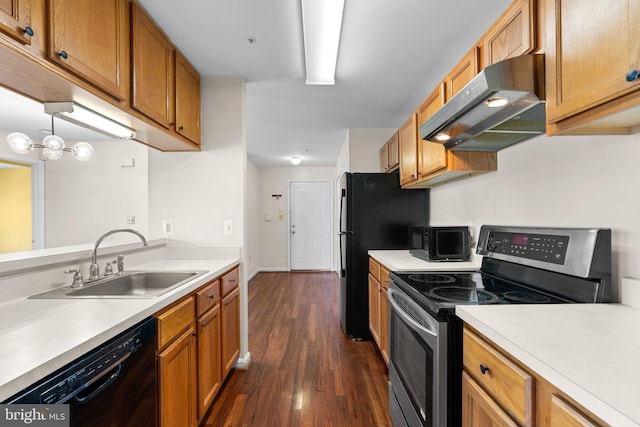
pixel 310 225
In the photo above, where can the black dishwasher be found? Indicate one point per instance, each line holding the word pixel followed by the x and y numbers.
pixel 113 385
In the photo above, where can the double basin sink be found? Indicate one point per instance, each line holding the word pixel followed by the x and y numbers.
pixel 130 284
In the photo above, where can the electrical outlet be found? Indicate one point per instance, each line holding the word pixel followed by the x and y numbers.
pixel 228 227
pixel 167 227
pixel 131 220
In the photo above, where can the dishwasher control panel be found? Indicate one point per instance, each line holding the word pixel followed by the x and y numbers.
pixel 89 373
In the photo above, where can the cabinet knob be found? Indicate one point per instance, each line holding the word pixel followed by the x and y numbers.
pixel 483 369
pixel 62 54
pixel 632 75
pixel 29 31
pixel 181 128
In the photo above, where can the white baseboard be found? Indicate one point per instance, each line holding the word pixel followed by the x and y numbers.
pixel 243 362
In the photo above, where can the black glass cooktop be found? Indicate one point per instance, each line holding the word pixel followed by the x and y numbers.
pixel 438 291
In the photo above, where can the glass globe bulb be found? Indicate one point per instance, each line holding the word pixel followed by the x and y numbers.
pixel 52 154
pixel 19 143
pixel 53 142
pixel 82 151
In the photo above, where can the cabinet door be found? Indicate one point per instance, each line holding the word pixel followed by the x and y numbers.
pixel 384 158
pixel 91 39
pixel 187 99
pixel 209 365
pixel 153 69
pixel 374 308
pixel 230 331
pixel 479 409
pixel 587 59
pixel 462 73
pixel 432 156
pixel 513 34
pixel 177 382
pixel 393 152
pixel 407 138
pixel 15 19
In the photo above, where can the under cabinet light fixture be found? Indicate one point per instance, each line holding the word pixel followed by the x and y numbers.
pixel 82 116
pixel 321 26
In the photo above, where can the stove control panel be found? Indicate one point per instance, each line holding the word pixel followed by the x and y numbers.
pixel 540 247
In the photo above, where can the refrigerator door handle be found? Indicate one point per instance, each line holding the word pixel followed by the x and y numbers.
pixel 342 233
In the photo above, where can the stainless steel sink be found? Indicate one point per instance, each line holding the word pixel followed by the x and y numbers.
pixel 130 284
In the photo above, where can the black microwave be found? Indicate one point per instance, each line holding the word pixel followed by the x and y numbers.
pixel 440 243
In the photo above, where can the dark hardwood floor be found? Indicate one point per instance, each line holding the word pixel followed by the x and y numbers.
pixel 304 371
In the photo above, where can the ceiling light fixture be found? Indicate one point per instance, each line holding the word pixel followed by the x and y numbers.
pixel 295 160
pixel 82 116
pixel 321 25
pixel 52 146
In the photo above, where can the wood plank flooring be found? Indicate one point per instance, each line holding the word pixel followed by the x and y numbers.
pixel 304 371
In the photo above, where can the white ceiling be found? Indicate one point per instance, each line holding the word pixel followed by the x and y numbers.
pixel 392 54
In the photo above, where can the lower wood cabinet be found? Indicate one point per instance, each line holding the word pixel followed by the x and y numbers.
pixel 230 329
pixel 499 390
pixel 198 345
pixel 379 307
pixel 177 382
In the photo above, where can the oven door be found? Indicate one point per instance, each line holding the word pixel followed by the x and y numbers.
pixel 417 364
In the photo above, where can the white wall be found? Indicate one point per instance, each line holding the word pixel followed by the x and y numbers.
pixel 199 191
pixel 86 199
pixel 274 234
pixel 563 181
pixel 253 220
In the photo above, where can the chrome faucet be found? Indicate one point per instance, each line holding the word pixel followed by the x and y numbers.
pixel 94 269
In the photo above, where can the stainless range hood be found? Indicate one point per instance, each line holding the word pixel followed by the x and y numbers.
pixel 501 106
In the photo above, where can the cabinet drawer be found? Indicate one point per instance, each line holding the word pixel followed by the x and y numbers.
pixel 207 297
pixel 230 281
pixel 174 320
pixel 374 268
pixel 507 383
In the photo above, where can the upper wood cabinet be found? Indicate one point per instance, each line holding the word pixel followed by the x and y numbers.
pixel 389 154
pixel 591 53
pixel 408 143
pixel 153 69
pixel 462 73
pixel 91 39
pixel 513 34
pixel 187 99
pixel 15 20
pixel 431 156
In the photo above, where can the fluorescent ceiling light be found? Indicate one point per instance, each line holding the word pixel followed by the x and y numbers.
pixel 321 24
pixel 82 116
pixel 295 160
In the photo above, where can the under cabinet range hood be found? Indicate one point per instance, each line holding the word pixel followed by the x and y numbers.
pixel 501 106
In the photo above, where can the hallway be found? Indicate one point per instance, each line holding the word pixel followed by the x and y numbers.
pixel 304 371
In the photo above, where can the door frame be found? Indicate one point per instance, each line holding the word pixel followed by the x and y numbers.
pixel 37 197
pixel 331 225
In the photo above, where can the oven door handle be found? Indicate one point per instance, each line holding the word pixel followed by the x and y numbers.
pixel 427 334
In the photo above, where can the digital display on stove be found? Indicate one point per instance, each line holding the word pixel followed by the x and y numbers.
pixel 520 239
pixel 540 247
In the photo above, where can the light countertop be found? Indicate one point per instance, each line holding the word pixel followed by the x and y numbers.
pixel 402 260
pixel 589 351
pixel 38 336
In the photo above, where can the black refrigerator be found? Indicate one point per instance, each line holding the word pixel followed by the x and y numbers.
pixel 375 213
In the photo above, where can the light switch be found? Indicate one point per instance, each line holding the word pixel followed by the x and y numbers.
pixel 268 216
pixel 228 227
